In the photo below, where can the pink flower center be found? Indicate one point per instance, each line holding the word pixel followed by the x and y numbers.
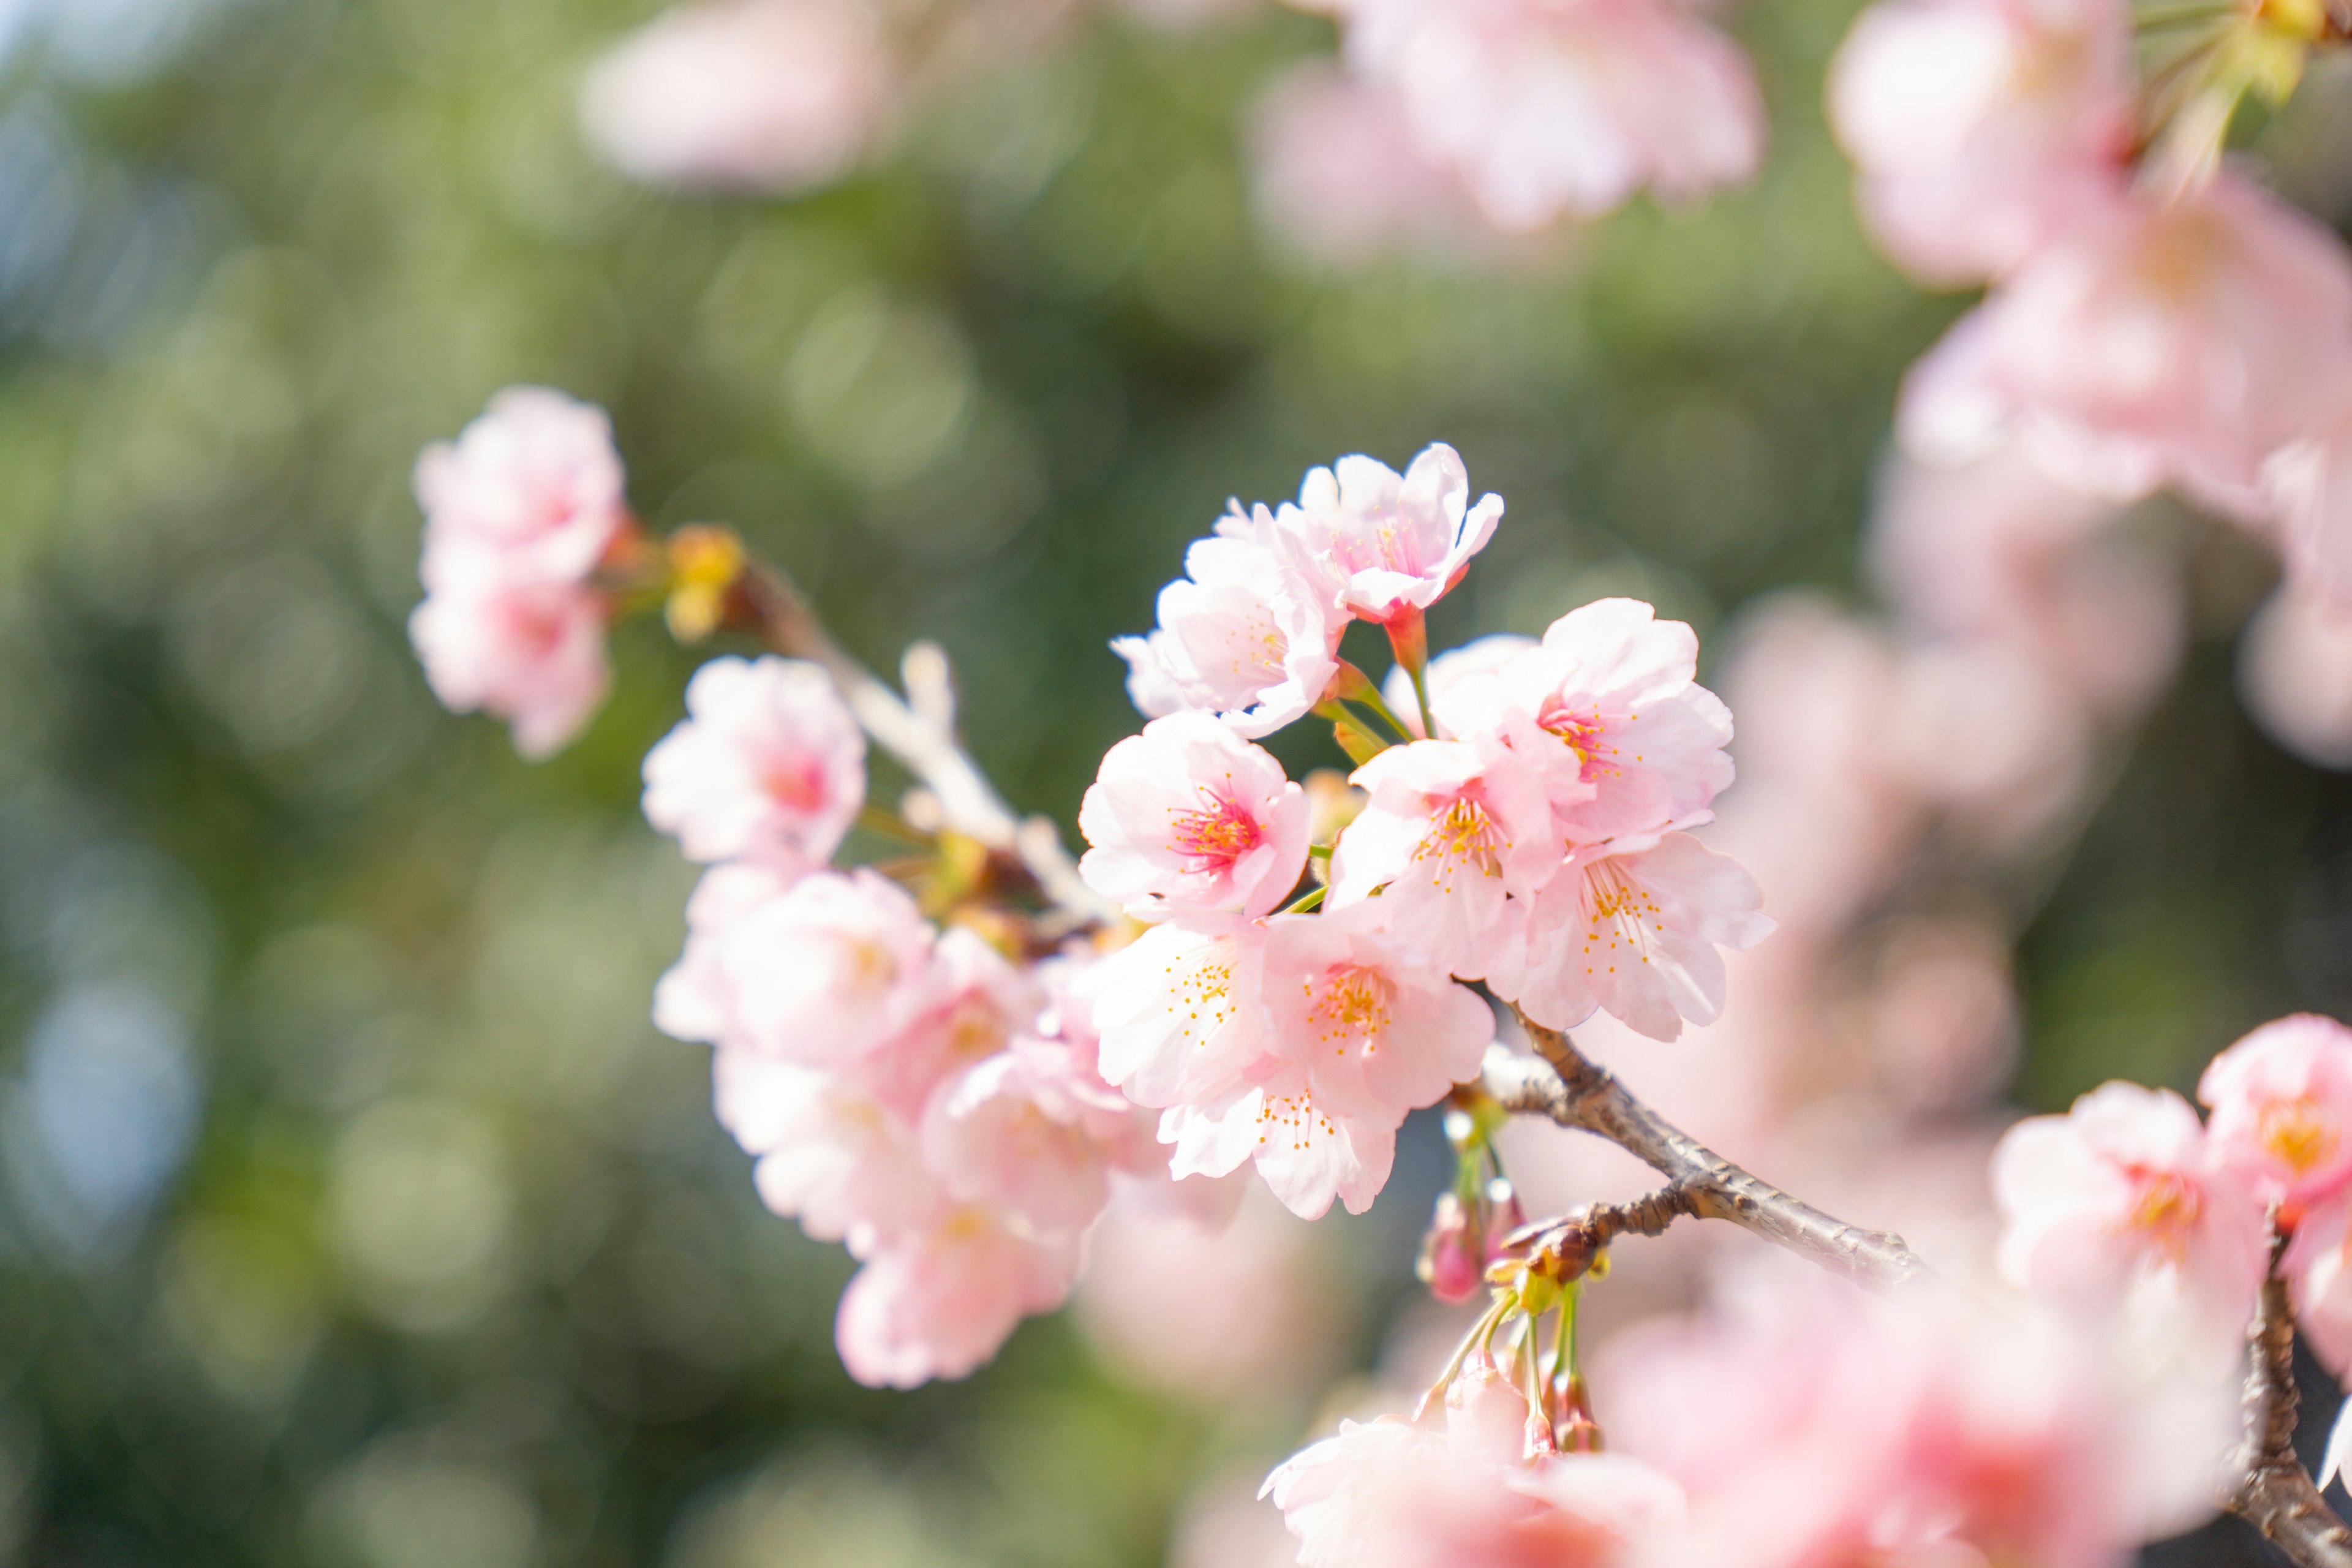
pixel 2298 1133
pixel 795 782
pixel 1351 1003
pixel 2167 1211
pixel 1586 734
pixel 1218 834
pixel 1624 917
pixel 1463 832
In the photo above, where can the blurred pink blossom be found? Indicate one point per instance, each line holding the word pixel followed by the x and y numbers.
pixel 1339 177
pixel 2294 675
pixel 938 1303
pixel 767 765
pixel 1548 109
pixel 1188 816
pixel 530 653
pixel 2181 341
pixel 1984 129
pixel 2281 1105
pixel 764 95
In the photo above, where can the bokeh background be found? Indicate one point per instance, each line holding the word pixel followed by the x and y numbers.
pixel 351 1210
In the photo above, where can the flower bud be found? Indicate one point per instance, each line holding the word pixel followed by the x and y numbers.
pixel 1451 1261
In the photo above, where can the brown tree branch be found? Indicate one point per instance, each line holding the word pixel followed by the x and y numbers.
pixel 2278 1496
pixel 1575 1091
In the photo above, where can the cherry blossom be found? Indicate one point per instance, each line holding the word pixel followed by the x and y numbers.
pixel 1187 816
pixel 535 481
pixel 1609 708
pixel 1633 931
pixel 1179 1013
pixel 1548 109
pixel 829 1153
pixel 767 765
pixel 2309 485
pixel 1309 1153
pixel 1483 656
pixel 768 95
pixel 1033 1132
pixel 1377 545
pixel 2120 1204
pixel 820 971
pixel 529 653
pixel 1984 129
pixel 939 1302
pixel 1390 1494
pixel 1241 635
pixel 2318 1268
pixel 2281 1105
pixel 1451 828
pixel 2294 675
pixel 1340 178
pixel 2183 342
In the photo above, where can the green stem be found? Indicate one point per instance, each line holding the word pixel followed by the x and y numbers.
pixel 1420 695
pixel 1372 699
pixel 881 819
pixel 1346 718
pixel 1310 899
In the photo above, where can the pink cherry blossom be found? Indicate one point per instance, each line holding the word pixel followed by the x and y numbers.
pixel 2294 675
pixel 1609 708
pixel 1188 816
pixel 766 95
pixel 1179 1013
pixel 968 1003
pixel 820 971
pixel 1390 1494
pixel 1377 1030
pixel 1309 1153
pixel 1447 671
pixel 1340 178
pixel 2308 485
pixel 2181 342
pixel 1452 828
pixel 1983 129
pixel 1378 544
pixel 531 653
pixel 2318 1267
pixel 535 481
pixel 769 764
pixel 1033 1132
pixel 2120 1204
pixel 2281 1105
pixel 830 1153
pixel 1564 107
pixel 1634 931
pixel 938 1303
pixel 1239 636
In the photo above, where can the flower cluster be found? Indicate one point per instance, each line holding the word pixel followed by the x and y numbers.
pixel 520 512
pixel 2155 319
pixel 1529 827
pixel 1516 112
pixel 910 1091
pixel 2128 1212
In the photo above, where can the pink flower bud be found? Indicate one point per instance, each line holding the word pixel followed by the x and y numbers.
pixel 1452 1261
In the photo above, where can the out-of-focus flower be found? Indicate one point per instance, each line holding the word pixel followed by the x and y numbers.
pixel 1608 708
pixel 1241 635
pixel 1340 179
pixel 1390 1494
pixel 769 765
pixel 1034 1132
pixel 1377 545
pixel 1633 931
pixel 518 511
pixel 767 95
pixel 1187 816
pixel 1452 828
pixel 2121 1206
pixel 830 1153
pixel 1982 129
pixel 2309 484
pixel 2156 342
pixel 2318 1268
pixel 2294 674
pixel 1563 108
pixel 938 1303
pixel 2281 1104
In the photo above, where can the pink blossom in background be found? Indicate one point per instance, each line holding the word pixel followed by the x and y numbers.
pixel 1608 707
pixel 819 971
pixel 968 1005
pixel 2309 485
pixel 938 1303
pixel 2120 1206
pixel 2281 1105
pixel 529 653
pixel 1392 1494
pixel 1187 816
pixel 1450 829
pixel 2318 1267
pixel 2183 341
pixel 2028 748
pixel 1984 129
pixel 767 765
pixel 1376 544
pixel 1241 635
pixel 764 95
pixel 1338 177
pixel 1633 931
pixel 518 511
pixel 1356 1006
pixel 830 1153
pixel 2294 675
pixel 1548 109
pixel 1033 1132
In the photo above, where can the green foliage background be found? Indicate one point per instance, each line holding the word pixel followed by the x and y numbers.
pixel 430 1255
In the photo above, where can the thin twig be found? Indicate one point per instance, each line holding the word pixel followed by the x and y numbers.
pixel 2278 1496
pixel 1574 1091
pixel 926 743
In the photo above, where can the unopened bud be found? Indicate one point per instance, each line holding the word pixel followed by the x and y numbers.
pixel 1449 1261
